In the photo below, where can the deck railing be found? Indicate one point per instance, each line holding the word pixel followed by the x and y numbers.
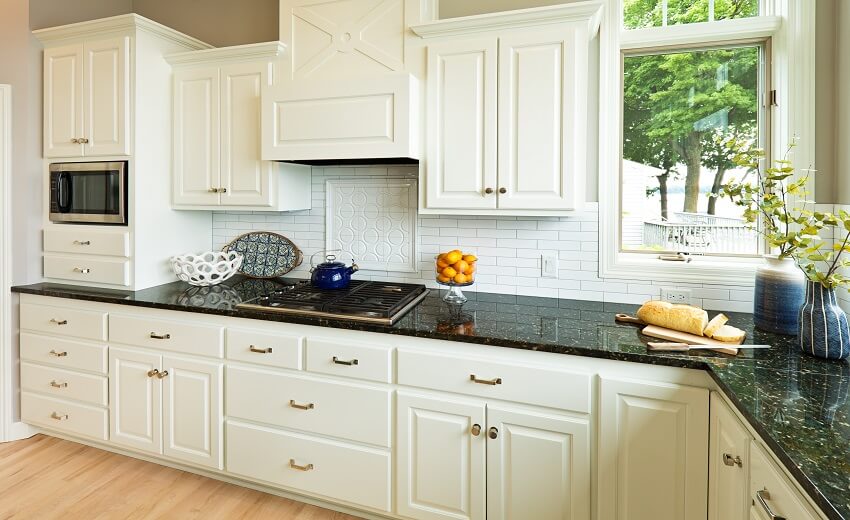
pixel 700 233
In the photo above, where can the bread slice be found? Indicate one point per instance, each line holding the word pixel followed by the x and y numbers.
pixel 684 318
pixel 729 334
pixel 715 324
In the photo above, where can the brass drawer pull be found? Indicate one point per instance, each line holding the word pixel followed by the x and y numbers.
pixel 293 465
pixel 729 460
pixel 763 496
pixel 493 432
pixel 82 242
pixel 154 335
pixel 267 350
pixel 491 382
pixel 82 270
pixel 58 322
pixel 152 373
pixel 308 406
pixel 476 430
pixel 346 363
pixel 162 374
pixel 58 354
pixel 55 384
pixel 59 416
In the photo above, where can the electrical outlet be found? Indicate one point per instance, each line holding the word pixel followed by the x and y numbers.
pixel 549 264
pixel 676 295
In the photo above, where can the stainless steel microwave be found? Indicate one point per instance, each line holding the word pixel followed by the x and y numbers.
pixel 88 192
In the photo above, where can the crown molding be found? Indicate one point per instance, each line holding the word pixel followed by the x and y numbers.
pixel 588 11
pixel 120 23
pixel 248 52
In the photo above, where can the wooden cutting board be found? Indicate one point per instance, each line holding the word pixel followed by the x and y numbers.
pixel 676 336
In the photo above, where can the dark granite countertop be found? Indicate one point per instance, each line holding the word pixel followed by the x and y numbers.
pixel 797 404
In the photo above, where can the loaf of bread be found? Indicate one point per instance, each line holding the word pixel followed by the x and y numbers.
pixel 715 324
pixel 729 334
pixel 685 318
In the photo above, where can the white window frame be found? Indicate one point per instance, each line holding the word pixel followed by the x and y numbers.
pixel 790 26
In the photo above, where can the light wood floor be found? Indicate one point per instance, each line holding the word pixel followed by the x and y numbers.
pixel 45 478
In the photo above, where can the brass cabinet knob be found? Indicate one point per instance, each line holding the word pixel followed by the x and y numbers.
pixel 75 140
pixel 488 191
pixel 83 140
pixel 476 430
pixel 213 190
pixel 152 373
pixel 162 374
pixel 493 432
pixel 729 460
pixel 222 190
pixel 503 190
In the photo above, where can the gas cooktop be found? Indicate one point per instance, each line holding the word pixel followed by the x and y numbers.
pixel 377 302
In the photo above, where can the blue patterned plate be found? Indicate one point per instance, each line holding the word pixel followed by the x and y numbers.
pixel 267 255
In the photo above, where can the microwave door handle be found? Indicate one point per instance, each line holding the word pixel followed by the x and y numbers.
pixel 64 195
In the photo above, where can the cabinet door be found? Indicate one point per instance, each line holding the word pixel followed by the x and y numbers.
pixel 653 440
pixel 461 127
pixel 538 466
pixel 106 125
pixel 63 101
pixel 441 460
pixel 246 179
pixel 134 400
pixel 196 137
pixel 772 492
pixel 541 132
pixel 192 411
pixel 728 464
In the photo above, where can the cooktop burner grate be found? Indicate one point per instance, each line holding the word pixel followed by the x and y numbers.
pixel 366 301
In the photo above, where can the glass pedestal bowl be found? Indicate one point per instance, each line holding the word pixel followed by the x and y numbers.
pixel 455 294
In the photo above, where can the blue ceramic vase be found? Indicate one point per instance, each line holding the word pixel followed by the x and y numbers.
pixel 823 324
pixel 779 293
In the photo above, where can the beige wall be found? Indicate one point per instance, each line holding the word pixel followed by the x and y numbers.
pixel 455 8
pixel 218 22
pixel 51 13
pixel 825 120
pixel 841 107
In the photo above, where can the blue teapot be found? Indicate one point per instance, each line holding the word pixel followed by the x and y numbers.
pixel 331 274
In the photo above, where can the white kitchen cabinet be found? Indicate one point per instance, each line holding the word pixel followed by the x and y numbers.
pixel 772 495
pixel 135 399
pixel 441 457
pixel 87 98
pixel 192 411
pixel 653 440
pixel 178 400
pixel 462 123
pixel 728 464
pixel 216 156
pixel 538 465
pixel 506 121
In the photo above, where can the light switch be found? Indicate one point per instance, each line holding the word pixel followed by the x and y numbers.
pixel 549 264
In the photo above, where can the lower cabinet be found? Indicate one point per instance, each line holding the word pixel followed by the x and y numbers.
pixel 156 398
pixel 653 440
pixel 469 459
pixel 728 464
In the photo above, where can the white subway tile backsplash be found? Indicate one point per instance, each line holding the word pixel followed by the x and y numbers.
pixel 508 248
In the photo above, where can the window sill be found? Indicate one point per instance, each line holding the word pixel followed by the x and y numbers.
pixel 706 270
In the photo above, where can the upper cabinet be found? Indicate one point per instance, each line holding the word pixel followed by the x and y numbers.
pixel 87 98
pixel 506 119
pixel 216 156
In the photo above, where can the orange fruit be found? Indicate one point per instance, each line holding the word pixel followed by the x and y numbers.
pixel 461 266
pixel 441 264
pixel 443 279
pixel 470 259
pixel 470 269
pixel 453 256
pixel 460 278
pixel 449 272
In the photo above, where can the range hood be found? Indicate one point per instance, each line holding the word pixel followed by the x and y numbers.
pixel 371 120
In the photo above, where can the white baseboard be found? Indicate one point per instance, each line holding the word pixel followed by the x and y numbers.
pixel 18 431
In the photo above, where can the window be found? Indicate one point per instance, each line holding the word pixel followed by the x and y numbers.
pixel 680 112
pixel 690 75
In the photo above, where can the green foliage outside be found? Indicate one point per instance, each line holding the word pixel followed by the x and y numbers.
pixel 680 108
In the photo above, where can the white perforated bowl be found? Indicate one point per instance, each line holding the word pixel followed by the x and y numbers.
pixel 205 269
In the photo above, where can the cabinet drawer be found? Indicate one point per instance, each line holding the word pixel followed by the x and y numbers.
pixel 333 469
pixel 74 239
pixel 178 336
pixel 279 350
pixel 64 384
pixel 63 320
pixel 350 359
pixel 776 490
pixel 64 353
pixel 556 388
pixel 345 410
pixel 82 268
pixel 65 416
